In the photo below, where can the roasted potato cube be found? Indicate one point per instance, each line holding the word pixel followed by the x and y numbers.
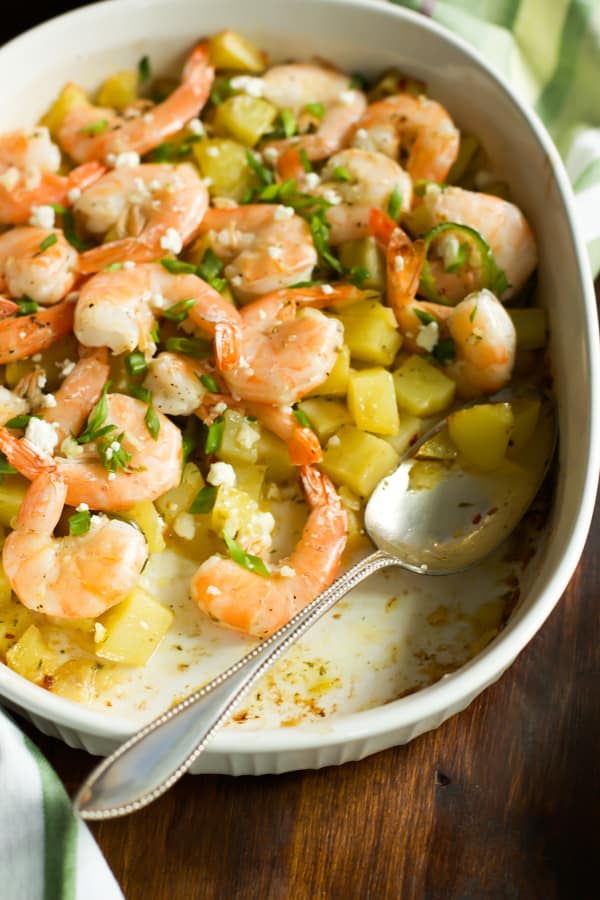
pixel 146 517
pixel 421 389
pixel 132 630
pixel 481 434
pixel 69 98
pixel 179 499
pixel 358 460
pixel 76 680
pixel 409 429
pixel 119 90
pixel 225 163
pixel 336 383
pixel 371 332
pixel 364 254
pixel 31 657
pixel 12 491
pixel 14 620
pixel 244 118
pixel 240 439
pixel 230 50
pixel 273 453
pixel 372 401
pixel 325 416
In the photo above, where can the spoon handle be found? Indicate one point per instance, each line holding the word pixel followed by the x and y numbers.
pixel 146 765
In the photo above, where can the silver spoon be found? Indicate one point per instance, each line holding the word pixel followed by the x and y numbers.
pixel 450 526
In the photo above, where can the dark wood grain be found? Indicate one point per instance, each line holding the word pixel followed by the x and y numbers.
pixel 501 802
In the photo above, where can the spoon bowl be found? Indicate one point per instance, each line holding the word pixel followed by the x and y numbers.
pixel 446 527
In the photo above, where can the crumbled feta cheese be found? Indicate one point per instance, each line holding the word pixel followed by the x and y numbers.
pixel 347 97
pixel 282 213
pixel 312 180
pixel 219 407
pixel 108 453
pixel 196 127
pixel 275 252
pixel 172 241
pixel 273 491
pixel 207 182
pixel 212 151
pixel 41 379
pixel 361 134
pixel 332 196
pixel 83 507
pixel 428 336
pixel 184 526
pixel 65 367
pixel 128 265
pixel 48 401
pixel 271 154
pixel 433 190
pixel 32 177
pixel 99 632
pixel 326 289
pixel 115 446
pixel 399 263
pixel 70 449
pixel 10 178
pixel 212 590
pixel 128 160
pixel 42 216
pixel 42 435
pixel 37 357
pixel 148 117
pixel 74 194
pixel 254 87
pixel 287 572
pixel 111 476
pixel 247 436
pixel 333 441
pixel 221 473
pixel 155 184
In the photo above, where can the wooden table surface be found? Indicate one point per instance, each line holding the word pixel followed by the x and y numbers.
pixel 502 801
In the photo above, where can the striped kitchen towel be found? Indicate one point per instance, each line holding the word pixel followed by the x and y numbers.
pixel 549 52
pixel 45 852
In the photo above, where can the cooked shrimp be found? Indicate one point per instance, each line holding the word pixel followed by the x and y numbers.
pixel 116 309
pixel 417 126
pixel 29 162
pixel 483 332
pixel 259 605
pixel 26 270
pixel 154 466
pixel 297 85
pixel 501 223
pixel 265 246
pixel 141 133
pixel 11 404
pixel 21 336
pixel 7 307
pixel 71 577
pixel 150 207
pixel 77 394
pixel 173 379
pixel 288 348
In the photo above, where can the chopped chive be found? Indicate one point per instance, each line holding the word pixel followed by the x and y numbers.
pixel 144 69
pixel 190 437
pixel 79 523
pixel 95 427
pixel 305 284
pixel 179 311
pixel 135 363
pixel 214 435
pixel 27 306
pixel 444 351
pixel 71 234
pixel 113 458
pixel 210 270
pixel 341 173
pixel 262 172
pixel 221 91
pixel 185 148
pixel 58 209
pixel 211 384
pixel 196 347
pixel 247 560
pixel 177 266
pixel 425 317
pixel 49 241
pixel 288 120
pixel 320 235
pixel 394 207
pixel 315 109
pixel 306 163
pixel 152 421
pixel 164 152
pixel 473 312
pixel 302 418
pixel 204 500
pixel 18 422
pixel 140 393
pixel 95 128
pixel 358 81
pixel 358 275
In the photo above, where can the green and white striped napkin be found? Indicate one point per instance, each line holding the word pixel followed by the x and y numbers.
pixel 549 52
pixel 45 852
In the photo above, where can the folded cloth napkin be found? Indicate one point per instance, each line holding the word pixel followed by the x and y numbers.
pixel 549 52
pixel 46 853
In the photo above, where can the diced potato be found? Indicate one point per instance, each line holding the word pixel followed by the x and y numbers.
pixel 134 629
pixel 273 453
pixel 179 499
pixel 230 50
pixel 359 460
pixel 76 680
pixel 531 325
pixel 371 332
pixel 250 479
pixel 69 98
pixel 421 389
pixel 14 620
pixel 365 254
pixel 228 169
pixel 119 90
pixel 526 413
pixel 244 118
pixel 439 446
pixel 240 438
pixel 325 416
pixel 12 492
pixel 481 434
pixel 51 362
pixel 336 383
pixel 5 588
pixel 425 474
pixel 372 401
pixel 146 516
pixel 409 429
pixel 232 510
pixel 31 657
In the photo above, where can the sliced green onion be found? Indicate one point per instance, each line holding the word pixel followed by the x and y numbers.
pixel 49 241
pixel 320 235
pixel 135 363
pixel 358 275
pixel 425 317
pixel 152 422
pixel 214 435
pixel 113 459
pixel 70 232
pixel 302 418
pixel 211 384
pixel 196 347
pixel 473 313
pixel 179 311
pixel 27 306
pixel 79 523
pixel 358 81
pixel 140 393
pixel 58 209
pixel 204 501
pixel 444 351
pixel 144 69
pixel 165 152
pixel 155 332
pixel 95 128
pixel 18 422
pixel 177 266
pixel 305 284
pixel 315 109
pixel 340 173
pixel 306 163
pixel 394 207
pixel 210 270
pixel 95 428
pixel 264 174
pixel 190 437
pixel 221 91
pixel 288 120
pixel 247 560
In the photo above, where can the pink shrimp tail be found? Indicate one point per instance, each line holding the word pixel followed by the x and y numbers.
pixel 135 249
pixel 85 175
pixel 24 456
pixel 304 448
pixel 227 344
pixel 7 307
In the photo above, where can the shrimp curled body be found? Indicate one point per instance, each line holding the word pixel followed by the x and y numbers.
pixel 257 605
pixel 71 577
pixel 44 275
